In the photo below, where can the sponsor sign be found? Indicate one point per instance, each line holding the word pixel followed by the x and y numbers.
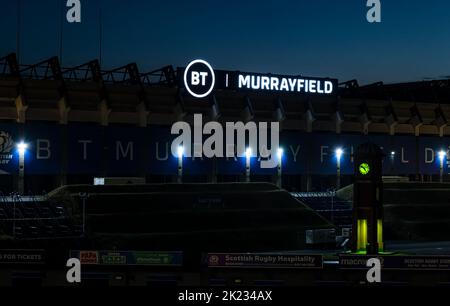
pixel 200 79
pixel 6 150
pixel 134 152
pixel 129 258
pixel 411 262
pixel 253 260
pixel 22 256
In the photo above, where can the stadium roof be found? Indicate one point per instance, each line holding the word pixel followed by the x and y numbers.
pixel 45 91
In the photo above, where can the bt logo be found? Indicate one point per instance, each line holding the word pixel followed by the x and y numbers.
pixel 199 78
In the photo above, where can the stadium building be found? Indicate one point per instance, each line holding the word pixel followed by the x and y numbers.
pixel 69 130
pixel 82 123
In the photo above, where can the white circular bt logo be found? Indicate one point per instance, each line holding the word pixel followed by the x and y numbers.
pixel 199 78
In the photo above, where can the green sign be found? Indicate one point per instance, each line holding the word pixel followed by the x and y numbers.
pixel 142 258
pixel 364 168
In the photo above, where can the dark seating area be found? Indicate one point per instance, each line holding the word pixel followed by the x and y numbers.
pixel 188 217
pixel 33 219
pixel 335 210
pixel 192 217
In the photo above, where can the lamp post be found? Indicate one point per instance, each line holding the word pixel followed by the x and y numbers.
pixel 83 196
pixel 180 164
pixel 442 155
pixel 339 153
pixel 392 161
pixel 280 159
pixel 248 154
pixel 21 148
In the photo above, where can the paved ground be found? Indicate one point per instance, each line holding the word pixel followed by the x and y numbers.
pixel 422 248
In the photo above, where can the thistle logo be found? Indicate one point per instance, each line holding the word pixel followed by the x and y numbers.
pixel 199 78
pixel 6 146
pixel 214 260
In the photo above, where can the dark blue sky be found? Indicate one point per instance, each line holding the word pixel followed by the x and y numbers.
pixel 316 37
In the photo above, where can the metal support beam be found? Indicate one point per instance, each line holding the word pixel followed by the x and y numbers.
pixel 104 112
pixel 21 108
pixel 214 109
pixel 440 120
pixel 416 119
pixel 309 116
pixel 337 119
pixel 391 119
pixel 142 114
pixel 365 119
pixel 63 110
pixel 179 109
pixel 247 113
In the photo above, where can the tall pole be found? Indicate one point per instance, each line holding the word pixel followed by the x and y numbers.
pixel 338 174
pixel 180 164
pixel 21 148
pixel 61 32
pixel 83 196
pixel 180 169
pixel 392 162
pixel 248 154
pixel 441 155
pixel 214 170
pixel 100 32
pixel 21 172
pixel 279 167
pixel 13 197
pixel 18 31
pixel 332 207
pixel 338 153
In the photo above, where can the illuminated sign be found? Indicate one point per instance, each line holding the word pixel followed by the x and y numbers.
pixel 364 168
pixel 199 79
pixel 286 84
pixel 266 260
pixel 129 258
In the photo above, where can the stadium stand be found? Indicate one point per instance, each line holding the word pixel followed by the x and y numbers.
pixel 414 211
pixel 34 219
pixel 336 210
pixel 191 217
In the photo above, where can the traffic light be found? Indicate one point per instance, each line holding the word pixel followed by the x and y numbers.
pixel 367 230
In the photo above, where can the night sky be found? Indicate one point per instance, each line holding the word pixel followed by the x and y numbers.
pixel 312 38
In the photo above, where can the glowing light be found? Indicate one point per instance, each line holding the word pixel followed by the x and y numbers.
pixel 364 168
pixel 442 154
pixel 280 153
pixel 180 151
pixel 393 153
pixel 361 238
pixel 285 84
pixel 199 61
pixel 339 153
pixel 22 147
pixel 248 152
pixel 380 235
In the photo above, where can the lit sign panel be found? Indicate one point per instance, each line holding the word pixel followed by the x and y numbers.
pixel 286 84
pixel 199 79
pixel 364 168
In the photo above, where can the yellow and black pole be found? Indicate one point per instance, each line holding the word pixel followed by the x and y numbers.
pixel 367 233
